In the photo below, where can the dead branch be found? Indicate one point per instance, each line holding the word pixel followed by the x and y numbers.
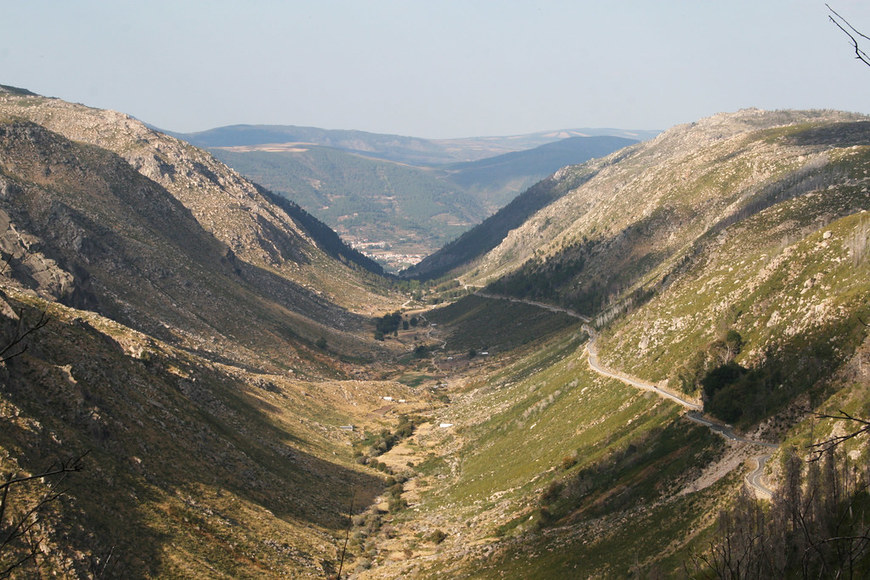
pixel 831 443
pixel 851 32
pixel 22 526
pixel 21 333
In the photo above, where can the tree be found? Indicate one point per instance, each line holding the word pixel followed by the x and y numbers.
pixel 387 324
pixel 733 343
pixel 817 526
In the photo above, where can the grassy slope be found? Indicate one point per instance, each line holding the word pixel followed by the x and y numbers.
pixel 792 280
pixel 758 230
pixel 513 426
pixel 495 326
pixel 782 259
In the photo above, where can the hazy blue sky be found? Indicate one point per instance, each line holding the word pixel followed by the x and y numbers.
pixel 438 68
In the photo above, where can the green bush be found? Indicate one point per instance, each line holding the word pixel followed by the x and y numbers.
pixel 720 377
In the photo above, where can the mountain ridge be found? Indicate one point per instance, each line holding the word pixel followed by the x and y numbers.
pixel 192 172
pixel 199 340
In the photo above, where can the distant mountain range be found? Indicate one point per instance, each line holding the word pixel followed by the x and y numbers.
pixel 410 150
pixel 497 180
pixel 398 199
pixel 392 211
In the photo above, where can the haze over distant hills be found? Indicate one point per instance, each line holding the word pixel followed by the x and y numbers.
pixel 411 150
pixel 400 198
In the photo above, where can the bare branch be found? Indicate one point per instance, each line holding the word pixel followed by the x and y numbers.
pixel 852 28
pixel 347 532
pixel 851 32
pixel 20 334
pixel 21 528
pixel 6 262
pixel 72 464
pixel 823 447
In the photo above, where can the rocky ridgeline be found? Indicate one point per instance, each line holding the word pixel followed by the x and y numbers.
pixel 669 191
pixel 234 210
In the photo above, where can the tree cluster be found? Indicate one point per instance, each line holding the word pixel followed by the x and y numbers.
pixel 715 360
pixel 387 324
pixel 387 439
pixel 817 526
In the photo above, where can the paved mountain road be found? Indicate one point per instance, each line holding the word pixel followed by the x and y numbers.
pixel 595 365
pixel 695 411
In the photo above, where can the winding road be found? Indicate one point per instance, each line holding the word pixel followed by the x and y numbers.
pixel 695 411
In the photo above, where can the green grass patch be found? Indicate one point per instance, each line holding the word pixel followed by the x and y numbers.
pixel 497 325
pixel 415 380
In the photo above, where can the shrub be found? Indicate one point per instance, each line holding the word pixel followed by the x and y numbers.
pixel 720 377
pixel 551 493
pixel 397 504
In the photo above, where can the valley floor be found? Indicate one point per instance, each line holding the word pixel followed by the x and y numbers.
pixel 486 480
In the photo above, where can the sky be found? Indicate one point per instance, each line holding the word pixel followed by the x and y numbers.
pixel 436 68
